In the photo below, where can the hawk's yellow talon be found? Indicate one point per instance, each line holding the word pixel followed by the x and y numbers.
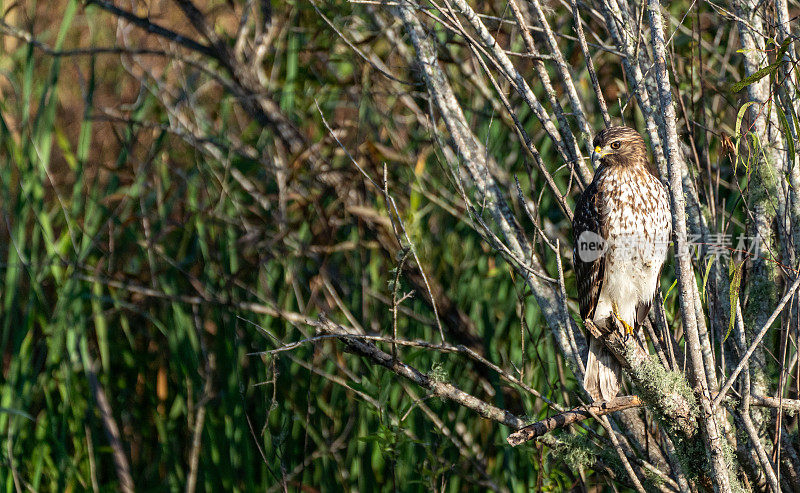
pixel 628 328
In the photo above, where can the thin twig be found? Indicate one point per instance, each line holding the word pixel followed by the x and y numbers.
pixel 445 348
pixel 590 64
pixel 621 453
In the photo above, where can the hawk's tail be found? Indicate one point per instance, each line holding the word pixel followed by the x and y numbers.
pixel 603 372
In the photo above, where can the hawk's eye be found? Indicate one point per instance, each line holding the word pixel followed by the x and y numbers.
pixel 615 145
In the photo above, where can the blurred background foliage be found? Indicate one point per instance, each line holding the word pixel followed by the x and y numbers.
pixel 153 231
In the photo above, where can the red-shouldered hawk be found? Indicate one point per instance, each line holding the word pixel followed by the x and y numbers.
pixel 621 232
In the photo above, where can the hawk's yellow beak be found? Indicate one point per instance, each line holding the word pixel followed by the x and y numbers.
pixel 598 153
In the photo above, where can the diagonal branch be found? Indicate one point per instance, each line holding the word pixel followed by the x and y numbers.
pixel 568 150
pixel 566 418
pixel 473 165
pixel 438 388
pixel 249 93
pixel 665 392
pixel 601 100
pixel 121 464
pixel 152 27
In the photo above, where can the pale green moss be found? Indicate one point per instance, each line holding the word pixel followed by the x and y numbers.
pixel 733 468
pixel 653 480
pixel 576 451
pixel 438 373
pixel 763 200
pixel 655 382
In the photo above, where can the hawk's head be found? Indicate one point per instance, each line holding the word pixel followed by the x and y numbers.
pixel 620 146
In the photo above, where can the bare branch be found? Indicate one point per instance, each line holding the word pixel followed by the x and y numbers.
pixel 574 415
pixel 601 100
pixel 438 388
pixel 474 164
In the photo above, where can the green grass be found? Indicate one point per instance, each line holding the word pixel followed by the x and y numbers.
pixel 135 267
pixel 165 219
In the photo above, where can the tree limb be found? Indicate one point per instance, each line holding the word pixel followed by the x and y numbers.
pixel 438 388
pixel 566 418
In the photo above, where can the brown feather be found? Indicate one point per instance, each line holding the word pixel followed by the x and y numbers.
pixel 588 274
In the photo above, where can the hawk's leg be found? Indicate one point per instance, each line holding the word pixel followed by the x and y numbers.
pixel 628 329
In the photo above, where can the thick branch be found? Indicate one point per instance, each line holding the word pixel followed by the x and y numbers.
pixel 774 402
pixel 665 392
